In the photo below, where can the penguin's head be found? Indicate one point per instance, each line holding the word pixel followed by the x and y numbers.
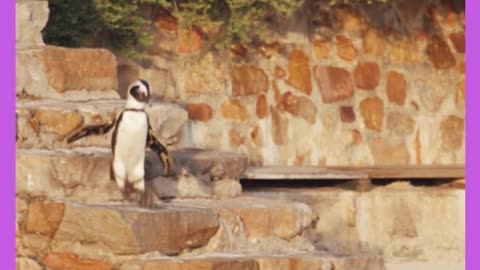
pixel 138 94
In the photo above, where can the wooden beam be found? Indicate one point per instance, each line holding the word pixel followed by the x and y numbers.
pixel 409 171
pixel 355 172
pixel 289 173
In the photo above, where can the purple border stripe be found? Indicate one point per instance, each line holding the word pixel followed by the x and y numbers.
pixel 472 134
pixel 7 135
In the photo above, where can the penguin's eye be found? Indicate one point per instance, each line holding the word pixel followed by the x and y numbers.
pixel 134 90
pixel 139 94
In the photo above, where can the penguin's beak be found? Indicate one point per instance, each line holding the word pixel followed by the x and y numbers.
pixel 143 97
pixel 147 97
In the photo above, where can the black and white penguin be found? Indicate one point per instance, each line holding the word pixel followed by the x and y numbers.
pixel 132 134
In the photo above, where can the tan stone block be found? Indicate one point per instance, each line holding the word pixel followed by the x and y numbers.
pixel 372 111
pixel 299 72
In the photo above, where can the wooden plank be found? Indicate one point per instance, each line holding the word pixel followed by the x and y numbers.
pixel 355 172
pixel 410 171
pixel 289 173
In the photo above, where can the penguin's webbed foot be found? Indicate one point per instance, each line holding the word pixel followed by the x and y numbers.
pixel 142 198
pixel 147 199
pixel 130 194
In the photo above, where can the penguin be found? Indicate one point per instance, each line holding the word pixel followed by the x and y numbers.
pixel 132 134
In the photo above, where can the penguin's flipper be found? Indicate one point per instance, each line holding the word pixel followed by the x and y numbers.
pixel 161 151
pixel 91 130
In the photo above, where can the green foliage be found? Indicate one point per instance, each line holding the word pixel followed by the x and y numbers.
pixel 71 23
pixel 124 30
pixel 335 2
pixel 238 20
pixel 116 24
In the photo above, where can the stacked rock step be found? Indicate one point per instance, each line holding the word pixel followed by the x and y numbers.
pixel 266 262
pixel 83 174
pixel 45 124
pixel 214 234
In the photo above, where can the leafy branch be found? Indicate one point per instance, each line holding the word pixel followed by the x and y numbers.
pixel 117 24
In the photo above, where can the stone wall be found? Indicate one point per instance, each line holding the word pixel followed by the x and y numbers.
pixel 341 94
pixel 414 224
pixel 352 97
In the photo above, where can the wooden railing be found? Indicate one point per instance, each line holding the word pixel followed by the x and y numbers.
pixel 362 176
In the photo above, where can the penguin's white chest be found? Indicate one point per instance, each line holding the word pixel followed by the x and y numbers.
pixel 131 139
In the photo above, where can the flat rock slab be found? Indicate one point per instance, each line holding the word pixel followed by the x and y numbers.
pixel 418 223
pixel 191 228
pixel 59 261
pixel 302 261
pixel 217 164
pixel 246 224
pixel 126 229
pixel 45 124
pixel 64 73
pixel 263 218
pixel 26 264
pixel 83 174
pixel 74 175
